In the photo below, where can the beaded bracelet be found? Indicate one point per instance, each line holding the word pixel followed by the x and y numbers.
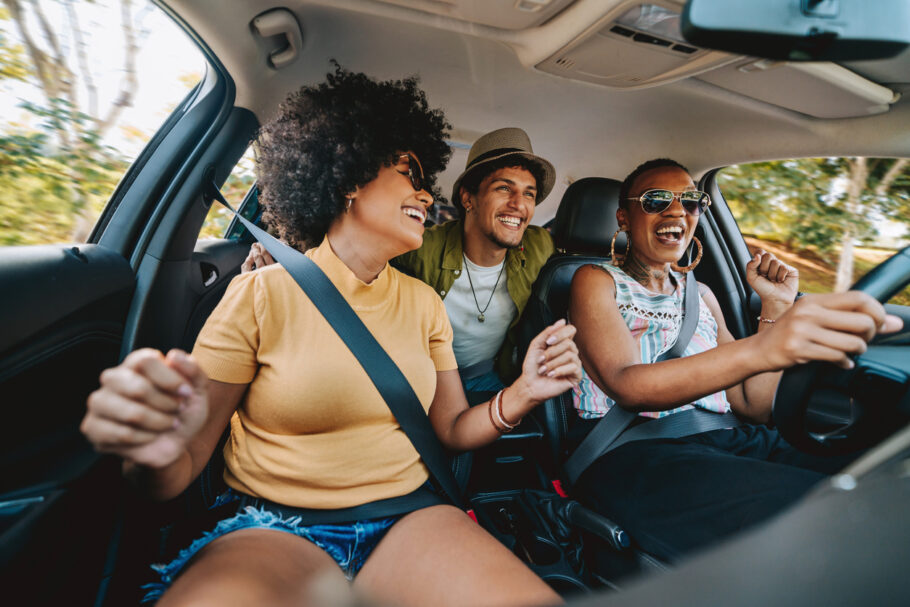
pixel 769 321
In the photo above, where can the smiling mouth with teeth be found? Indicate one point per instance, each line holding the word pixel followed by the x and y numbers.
pixel 512 222
pixel 416 213
pixel 670 234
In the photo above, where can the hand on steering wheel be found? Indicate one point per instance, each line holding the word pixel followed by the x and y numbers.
pixel 872 383
pixel 829 328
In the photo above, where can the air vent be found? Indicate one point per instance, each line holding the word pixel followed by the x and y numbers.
pixel 651 40
pixel 565 63
pixel 682 48
pixel 622 31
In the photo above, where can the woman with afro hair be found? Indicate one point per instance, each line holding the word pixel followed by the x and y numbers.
pixel 346 169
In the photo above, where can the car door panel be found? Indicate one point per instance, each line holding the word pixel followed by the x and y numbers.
pixel 214 264
pixel 70 309
pixel 70 305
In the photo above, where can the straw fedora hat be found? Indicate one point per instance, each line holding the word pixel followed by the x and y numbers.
pixel 498 144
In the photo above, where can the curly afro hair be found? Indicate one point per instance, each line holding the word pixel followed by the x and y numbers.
pixel 330 138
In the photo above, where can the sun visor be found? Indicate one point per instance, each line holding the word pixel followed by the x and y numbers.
pixel 504 14
pixel 821 90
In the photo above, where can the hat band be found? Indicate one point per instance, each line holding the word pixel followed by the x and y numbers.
pixel 493 153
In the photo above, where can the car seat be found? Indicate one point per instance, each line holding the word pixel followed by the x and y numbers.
pixel 582 229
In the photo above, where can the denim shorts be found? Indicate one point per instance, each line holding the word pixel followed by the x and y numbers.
pixel 348 543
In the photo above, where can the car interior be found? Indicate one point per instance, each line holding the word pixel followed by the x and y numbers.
pixel 600 86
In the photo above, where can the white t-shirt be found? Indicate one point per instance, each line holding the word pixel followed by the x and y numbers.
pixel 476 341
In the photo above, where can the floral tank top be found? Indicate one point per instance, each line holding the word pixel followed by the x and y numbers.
pixel 654 320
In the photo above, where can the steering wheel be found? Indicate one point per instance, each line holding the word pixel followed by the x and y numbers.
pixel 874 394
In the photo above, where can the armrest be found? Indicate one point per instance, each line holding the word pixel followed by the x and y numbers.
pixel 529 428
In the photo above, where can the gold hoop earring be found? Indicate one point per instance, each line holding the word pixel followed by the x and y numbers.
pixel 613 247
pixel 692 265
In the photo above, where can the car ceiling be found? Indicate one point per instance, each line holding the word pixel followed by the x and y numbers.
pixel 487 77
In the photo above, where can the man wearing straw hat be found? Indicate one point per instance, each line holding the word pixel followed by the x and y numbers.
pixel 483 264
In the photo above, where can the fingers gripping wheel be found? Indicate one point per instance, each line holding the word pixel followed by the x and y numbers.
pixel 870 392
pixel 876 392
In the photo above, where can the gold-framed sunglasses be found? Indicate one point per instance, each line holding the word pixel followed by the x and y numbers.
pixel 657 201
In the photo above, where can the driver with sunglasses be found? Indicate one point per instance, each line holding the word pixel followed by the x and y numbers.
pixel 677 494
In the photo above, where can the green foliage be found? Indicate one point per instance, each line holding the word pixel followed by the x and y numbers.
pixel 13 65
pixel 47 186
pixel 896 203
pixel 56 173
pixel 804 202
pixel 804 205
pixel 234 189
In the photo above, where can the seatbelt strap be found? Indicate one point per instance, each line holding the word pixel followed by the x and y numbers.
pixel 617 419
pixel 391 383
pixel 684 423
pixel 423 497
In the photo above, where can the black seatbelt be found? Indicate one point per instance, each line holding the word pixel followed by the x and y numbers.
pixel 606 434
pixel 391 383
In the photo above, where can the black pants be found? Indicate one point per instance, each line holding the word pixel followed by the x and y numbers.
pixel 675 495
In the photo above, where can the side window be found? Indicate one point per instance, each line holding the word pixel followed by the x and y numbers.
pixel 834 219
pixel 83 87
pixel 441 213
pixel 235 189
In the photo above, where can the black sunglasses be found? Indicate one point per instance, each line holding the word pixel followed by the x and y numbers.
pixel 415 175
pixel 657 201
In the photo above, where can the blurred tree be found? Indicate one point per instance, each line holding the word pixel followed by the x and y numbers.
pixel 61 171
pixel 13 64
pixel 874 187
pixel 234 190
pixel 824 203
pixel 49 183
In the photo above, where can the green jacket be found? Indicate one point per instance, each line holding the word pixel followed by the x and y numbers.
pixel 438 263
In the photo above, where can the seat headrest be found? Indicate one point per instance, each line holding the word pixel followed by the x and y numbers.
pixel 586 218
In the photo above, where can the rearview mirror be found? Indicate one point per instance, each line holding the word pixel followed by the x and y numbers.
pixel 800 30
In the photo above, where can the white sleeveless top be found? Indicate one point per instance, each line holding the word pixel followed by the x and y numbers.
pixel 654 320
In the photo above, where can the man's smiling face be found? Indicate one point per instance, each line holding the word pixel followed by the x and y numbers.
pixel 503 206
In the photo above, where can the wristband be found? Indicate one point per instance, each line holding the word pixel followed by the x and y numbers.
pixel 502 427
pixel 496 407
pixel 502 413
pixel 769 321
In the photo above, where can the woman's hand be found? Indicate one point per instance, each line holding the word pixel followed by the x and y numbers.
pixel 148 408
pixel 828 327
pixel 257 258
pixel 551 365
pixel 774 281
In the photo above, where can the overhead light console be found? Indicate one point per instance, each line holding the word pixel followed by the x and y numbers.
pixel 640 45
pixel 635 46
